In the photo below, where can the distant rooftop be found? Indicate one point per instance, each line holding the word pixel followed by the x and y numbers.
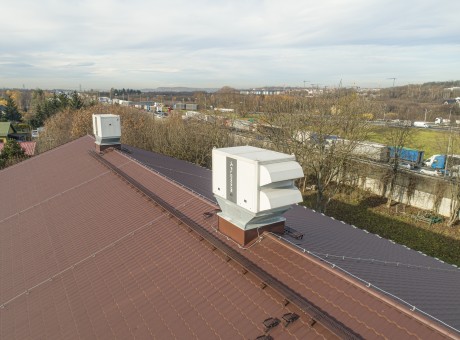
pixel 28 147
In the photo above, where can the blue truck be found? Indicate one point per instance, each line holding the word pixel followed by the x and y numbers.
pixel 412 158
pixel 441 162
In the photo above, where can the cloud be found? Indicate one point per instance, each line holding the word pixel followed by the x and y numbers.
pixel 80 64
pixel 214 43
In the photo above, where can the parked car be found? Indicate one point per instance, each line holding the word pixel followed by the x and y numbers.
pixel 407 166
pixel 430 172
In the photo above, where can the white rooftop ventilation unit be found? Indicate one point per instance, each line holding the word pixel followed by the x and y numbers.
pixel 253 187
pixel 107 130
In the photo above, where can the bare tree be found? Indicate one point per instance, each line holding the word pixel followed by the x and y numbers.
pixel 188 140
pixel 397 138
pixel 453 172
pixel 322 132
pixel 454 201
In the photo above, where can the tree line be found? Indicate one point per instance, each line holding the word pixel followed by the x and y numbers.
pixel 123 91
pixel 36 106
pixel 46 107
pixel 190 140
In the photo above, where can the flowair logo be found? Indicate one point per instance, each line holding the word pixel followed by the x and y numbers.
pixel 231 179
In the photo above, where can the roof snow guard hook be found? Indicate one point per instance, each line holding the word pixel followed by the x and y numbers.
pixel 208 214
pixel 271 323
pixel 289 318
pixel 264 337
pixel 293 233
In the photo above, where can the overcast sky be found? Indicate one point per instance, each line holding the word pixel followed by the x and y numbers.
pixel 139 44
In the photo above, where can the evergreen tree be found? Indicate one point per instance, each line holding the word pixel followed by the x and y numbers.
pixel 64 100
pixel 39 118
pixel 12 150
pixel 53 105
pixel 38 98
pixel 11 153
pixel 75 101
pixel 11 111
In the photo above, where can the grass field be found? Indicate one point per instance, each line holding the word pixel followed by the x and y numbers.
pixel 431 141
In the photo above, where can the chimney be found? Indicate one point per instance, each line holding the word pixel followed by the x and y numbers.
pixel 254 188
pixel 107 130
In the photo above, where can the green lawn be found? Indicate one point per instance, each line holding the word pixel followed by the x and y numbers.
pixel 431 141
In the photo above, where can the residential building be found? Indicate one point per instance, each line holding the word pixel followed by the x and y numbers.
pixel 6 130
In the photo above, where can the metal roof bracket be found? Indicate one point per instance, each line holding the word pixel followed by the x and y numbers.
pixel 290 318
pixel 271 323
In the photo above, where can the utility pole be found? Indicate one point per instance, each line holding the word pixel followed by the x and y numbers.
pixel 393 81
pixel 393 87
pixel 449 143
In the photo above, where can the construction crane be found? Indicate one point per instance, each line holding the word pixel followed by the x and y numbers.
pixel 393 81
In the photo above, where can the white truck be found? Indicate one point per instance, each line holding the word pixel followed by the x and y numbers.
pixel 372 151
pixel 441 121
pixel 421 124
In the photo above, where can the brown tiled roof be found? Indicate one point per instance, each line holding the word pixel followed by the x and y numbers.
pixel 84 254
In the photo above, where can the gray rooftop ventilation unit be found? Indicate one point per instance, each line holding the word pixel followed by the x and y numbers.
pixel 253 187
pixel 107 130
